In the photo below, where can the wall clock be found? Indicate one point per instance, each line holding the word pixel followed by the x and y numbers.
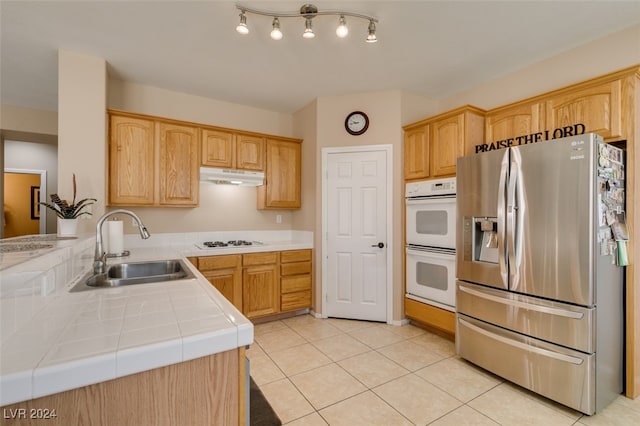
pixel 356 123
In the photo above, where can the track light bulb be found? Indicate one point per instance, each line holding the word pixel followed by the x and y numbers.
pixel 342 29
pixel 242 26
pixel 276 34
pixel 308 31
pixel 371 38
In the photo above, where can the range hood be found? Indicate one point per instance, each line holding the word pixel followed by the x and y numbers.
pixel 232 177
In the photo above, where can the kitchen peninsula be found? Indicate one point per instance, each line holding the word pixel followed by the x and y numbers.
pixel 157 353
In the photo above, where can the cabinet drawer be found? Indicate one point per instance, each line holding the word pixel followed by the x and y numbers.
pixel 260 258
pixel 209 263
pixel 297 300
pixel 295 268
pixel 295 283
pixel 295 256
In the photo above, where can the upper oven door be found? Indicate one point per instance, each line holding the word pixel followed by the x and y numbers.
pixel 431 221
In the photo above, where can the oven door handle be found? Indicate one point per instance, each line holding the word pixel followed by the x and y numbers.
pixel 432 253
pixel 429 200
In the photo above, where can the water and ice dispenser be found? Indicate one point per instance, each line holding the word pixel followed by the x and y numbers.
pixel 480 239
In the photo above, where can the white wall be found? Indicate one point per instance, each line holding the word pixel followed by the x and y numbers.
pixel 612 53
pixel 82 99
pixel 151 100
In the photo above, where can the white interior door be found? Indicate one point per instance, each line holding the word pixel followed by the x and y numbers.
pixel 356 235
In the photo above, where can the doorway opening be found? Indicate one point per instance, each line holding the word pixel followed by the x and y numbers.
pixel 24 189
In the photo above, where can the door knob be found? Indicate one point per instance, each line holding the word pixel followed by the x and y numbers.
pixel 379 245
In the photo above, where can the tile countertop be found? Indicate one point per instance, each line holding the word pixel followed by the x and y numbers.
pixel 52 340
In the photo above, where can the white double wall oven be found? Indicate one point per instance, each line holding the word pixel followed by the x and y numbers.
pixel 431 241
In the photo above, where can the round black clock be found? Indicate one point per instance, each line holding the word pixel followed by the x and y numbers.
pixel 356 123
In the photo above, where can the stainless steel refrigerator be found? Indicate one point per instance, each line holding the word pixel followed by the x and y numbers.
pixel 539 290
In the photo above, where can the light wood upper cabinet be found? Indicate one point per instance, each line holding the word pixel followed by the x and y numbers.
pixel 282 177
pixel 217 148
pixel 179 171
pixel 249 152
pixel 599 108
pixel 447 137
pixel 513 121
pixel 152 162
pixel 131 161
pixel 416 153
pixel 432 146
pixel 231 150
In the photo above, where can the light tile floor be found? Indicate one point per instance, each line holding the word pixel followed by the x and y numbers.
pixel 343 372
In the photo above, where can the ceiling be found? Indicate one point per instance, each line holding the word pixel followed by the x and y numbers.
pixel 430 48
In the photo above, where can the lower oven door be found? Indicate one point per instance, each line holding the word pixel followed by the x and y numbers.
pixel 558 373
pixel 431 276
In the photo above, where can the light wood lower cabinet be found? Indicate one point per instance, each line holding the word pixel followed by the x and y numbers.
pixel 209 390
pixel 225 274
pixel 261 284
pixel 430 316
pixel 295 279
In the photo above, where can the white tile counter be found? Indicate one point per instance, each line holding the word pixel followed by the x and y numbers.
pixel 52 340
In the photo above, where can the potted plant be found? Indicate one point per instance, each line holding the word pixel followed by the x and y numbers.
pixel 68 213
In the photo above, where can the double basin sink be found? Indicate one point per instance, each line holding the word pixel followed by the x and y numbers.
pixel 123 274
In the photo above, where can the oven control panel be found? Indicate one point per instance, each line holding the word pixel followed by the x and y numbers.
pixel 431 188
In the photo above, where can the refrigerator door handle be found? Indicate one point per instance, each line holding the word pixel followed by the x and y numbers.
pixel 523 346
pixel 518 304
pixel 502 184
pixel 512 216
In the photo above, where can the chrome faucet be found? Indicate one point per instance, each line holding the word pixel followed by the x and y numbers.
pixel 100 257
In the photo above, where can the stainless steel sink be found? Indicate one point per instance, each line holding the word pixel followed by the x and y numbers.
pixel 131 273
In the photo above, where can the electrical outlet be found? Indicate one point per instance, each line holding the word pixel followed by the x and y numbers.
pixel 278 218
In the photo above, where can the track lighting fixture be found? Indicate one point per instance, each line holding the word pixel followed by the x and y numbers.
pixel 276 34
pixel 342 31
pixel 371 38
pixel 308 12
pixel 242 26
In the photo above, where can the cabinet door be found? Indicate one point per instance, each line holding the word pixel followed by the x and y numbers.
pixel 599 108
pixel 217 148
pixel 416 153
pixel 516 121
pixel 228 282
pixel 260 291
pixel 282 178
pixel 249 152
pixel 131 161
pixel 179 171
pixel 447 138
